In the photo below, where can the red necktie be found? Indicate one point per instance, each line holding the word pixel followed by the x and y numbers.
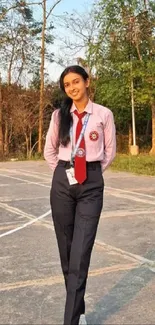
pixel 80 158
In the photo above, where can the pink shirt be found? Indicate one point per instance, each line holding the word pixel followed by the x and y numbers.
pixel 100 137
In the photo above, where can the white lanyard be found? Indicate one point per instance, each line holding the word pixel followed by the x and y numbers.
pixel 74 151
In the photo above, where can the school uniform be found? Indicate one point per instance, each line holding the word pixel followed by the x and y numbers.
pixel 76 208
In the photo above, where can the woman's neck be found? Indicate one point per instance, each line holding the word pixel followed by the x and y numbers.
pixel 81 105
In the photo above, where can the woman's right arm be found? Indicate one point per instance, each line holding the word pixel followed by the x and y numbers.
pixel 51 143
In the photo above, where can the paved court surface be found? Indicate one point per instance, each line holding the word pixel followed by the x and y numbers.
pixel 121 284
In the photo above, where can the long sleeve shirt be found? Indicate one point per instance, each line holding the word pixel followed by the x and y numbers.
pixel 100 137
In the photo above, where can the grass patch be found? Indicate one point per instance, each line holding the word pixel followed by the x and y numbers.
pixel 141 164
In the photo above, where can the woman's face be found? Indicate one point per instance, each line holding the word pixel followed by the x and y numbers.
pixel 75 86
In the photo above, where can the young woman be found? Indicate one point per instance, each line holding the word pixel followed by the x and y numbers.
pixel 80 145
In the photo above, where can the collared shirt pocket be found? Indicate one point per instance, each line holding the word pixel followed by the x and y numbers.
pixel 94 137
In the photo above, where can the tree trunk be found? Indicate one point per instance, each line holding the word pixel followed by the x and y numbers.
pixel 1 130
pixel 9 75
pixel 6 143
pixel 130 137
pixel 27 145
pixel 30 144
pixel 148 128
pixel 133 108
pixel 10 69
pixel 152 151
pixel 40 131
pixel 41 107
pixel 145 5
pixel 11 63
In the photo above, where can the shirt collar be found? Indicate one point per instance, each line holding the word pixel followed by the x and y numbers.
pixel 88 108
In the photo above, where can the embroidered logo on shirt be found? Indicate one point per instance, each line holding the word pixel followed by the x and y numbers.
pixel 80 152
pixel 94 135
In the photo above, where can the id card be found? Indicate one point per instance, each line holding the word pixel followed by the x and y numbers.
pixel 70 176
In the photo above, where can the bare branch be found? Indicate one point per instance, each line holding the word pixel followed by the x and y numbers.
pixel 52 8
pixel 16 6
pixel 33 3
pixel 6 11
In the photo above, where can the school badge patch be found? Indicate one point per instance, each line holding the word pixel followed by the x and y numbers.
pixel 94 136
pixel 80 152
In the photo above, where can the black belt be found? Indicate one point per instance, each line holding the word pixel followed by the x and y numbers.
pixel 89 164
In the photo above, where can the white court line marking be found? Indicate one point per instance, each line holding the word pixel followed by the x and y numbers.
pixel 14 184
pixel 21 214
pixel 16 211
pixel 32 172
pixel 11 222
pixel 26 224
pixel 58 279
pixel 24 174
pixel 2 185
pixel 124 213
pixel 136 199
pixel 134 257
pixel 143 260
pixel 6 227
pixel 8 199
pixel 17 184
pixel 24 180
pixel 106 187
pixel 130 192
pixel 148 262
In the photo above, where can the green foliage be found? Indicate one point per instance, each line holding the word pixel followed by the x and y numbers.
pixel 124 50
pixel 57 97
pixel 25 11
pixel 35 83
pixel 18 49
pixel 37 156
pixel 142 164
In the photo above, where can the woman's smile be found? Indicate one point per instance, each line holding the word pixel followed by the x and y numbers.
pixel 74 93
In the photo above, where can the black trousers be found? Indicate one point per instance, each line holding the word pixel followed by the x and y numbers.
pixel 76 210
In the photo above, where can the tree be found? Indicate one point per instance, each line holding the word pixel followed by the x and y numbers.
pixel 25 118
pixel 82 29
pixel 43 39
pixel 17 43
pixel 125 35
pixel 16 47
pixel 18 39
pixel 1 131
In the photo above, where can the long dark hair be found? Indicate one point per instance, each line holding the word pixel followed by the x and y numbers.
pixel 65 116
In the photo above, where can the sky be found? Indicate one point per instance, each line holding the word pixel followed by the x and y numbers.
pixel 69 6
